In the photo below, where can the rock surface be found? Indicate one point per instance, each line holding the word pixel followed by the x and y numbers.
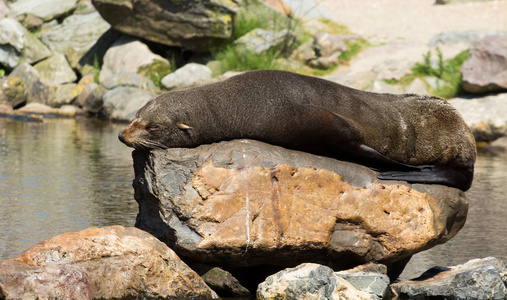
pixel 17 45
pixel 195 25
pixel 122 103
pixel 75 35
pixel 188 75
pixel 100 263
pixel 47 9
pixel 477 279
pixel 486 116
pixel 308 281
pixel 125 56
pixel 245 203
pixel 55 70
pixel 485 70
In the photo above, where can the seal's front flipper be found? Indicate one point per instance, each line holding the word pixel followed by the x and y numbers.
pixel 461 179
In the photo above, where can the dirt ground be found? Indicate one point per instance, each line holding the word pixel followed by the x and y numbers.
pixel 415 20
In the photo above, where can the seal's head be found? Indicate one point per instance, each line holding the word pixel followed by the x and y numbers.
pixel 154 128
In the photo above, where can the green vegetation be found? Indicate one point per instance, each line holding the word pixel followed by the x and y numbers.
pixel 258 15
pixel 2 72
pixel 355 46
pixel 447 73
pixel 232 58
pixel 155 71
pixel 96 68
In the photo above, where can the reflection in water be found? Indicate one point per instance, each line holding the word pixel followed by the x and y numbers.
pixel 68 175
pixel 484 233
pixel 59 176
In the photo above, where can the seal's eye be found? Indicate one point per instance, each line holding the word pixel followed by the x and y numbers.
pixel 153 128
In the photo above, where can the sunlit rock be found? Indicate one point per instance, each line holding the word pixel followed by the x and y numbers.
pixel 485 70
pixel 196 25
pixel 309 281
pixel 476 279
pixel 47 9
pixel 100 263
pixel 245 203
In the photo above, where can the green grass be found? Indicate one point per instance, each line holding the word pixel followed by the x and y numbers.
pixel 448 71
pixel 232 58
pixel 355 46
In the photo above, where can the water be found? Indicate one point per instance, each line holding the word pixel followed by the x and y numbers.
pixel 485 231
pixel 67 175
pixel 61 175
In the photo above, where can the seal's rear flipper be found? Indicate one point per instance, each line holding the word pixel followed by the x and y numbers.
pixel 461 179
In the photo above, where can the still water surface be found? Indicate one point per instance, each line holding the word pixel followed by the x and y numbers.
pixel 67 175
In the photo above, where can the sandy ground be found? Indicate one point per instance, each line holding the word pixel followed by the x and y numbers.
pixel 415 20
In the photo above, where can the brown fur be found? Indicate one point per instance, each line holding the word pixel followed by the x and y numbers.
pixel 309 114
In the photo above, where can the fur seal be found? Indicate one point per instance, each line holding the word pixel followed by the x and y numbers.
pixel 418 139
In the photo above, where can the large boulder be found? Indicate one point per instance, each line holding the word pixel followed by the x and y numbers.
pixel 100 263
pixel 485 70
pixel 245 203
pixel 195 25
pixel 127 55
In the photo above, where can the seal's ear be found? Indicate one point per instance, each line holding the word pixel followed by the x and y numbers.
pixel 183 126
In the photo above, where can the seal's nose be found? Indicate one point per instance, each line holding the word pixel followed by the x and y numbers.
pixel 121 137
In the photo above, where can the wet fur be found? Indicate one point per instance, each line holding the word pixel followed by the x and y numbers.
pixel 406 136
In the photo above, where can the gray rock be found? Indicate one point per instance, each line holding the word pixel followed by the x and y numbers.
pixel 220 204
pixel 326 44
pixel 261 41
pixel 126 55
pixel 129 79
pixel 47 9
pixel 485 70
pixel 94 101
pixel 308 281
pixel 17 45
pixel 64 94
pixel 196 25
pixel 75 36
pixel 476 279
pixel 122 103
pixel 93 60
pixel 224 284
pixel 486 116
pixel 55 70
pixel 375 284
pixel 187 75
pixel 24 86
pixel 88 89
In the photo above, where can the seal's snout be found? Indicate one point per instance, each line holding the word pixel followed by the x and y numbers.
pixel 121 137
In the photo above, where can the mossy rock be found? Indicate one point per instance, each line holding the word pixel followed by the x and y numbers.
pixel 155 71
